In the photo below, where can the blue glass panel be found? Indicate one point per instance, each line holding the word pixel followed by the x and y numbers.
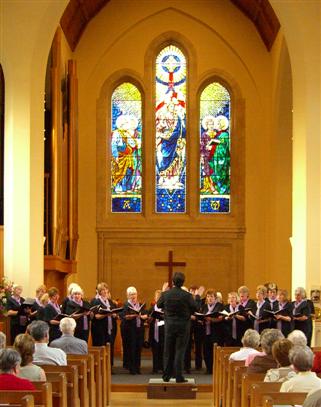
pixel 170 131
pixel 215 172
pixel 126 140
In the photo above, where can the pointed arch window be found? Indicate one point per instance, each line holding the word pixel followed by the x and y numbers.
pixel 126 140
pixel 215 172
pixel 170 125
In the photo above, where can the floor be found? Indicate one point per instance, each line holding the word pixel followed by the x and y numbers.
pixel 140 400
pixel 121 376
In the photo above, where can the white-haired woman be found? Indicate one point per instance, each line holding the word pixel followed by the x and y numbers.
pixel 65 301
pixel 132 329
pixel 301 311
pixel 79 308
pixel 301 358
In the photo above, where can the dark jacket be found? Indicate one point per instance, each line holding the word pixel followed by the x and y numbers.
pixel 178 305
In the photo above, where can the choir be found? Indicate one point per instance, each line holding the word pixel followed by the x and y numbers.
pixel 214 322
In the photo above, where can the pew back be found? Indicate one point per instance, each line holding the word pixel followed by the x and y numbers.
pixel 42 397
pixel 285 399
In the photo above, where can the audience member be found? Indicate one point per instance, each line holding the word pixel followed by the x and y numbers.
pixel 280 353
pixel 301 358
pixel 9 366
pixel 262 363
pixel 44 355
pixel 250 341
pixel 313 399
pixel 25 345
pixel 68 342
pixel 3 340
pixel 297 338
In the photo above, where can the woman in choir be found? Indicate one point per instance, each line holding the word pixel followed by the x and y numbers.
pixel 104 326
pixel 301 311
pixel 156 334
pixel 272 301
pixel 261 318
pixel 245 305
pixel 18 320
pixel 80 309
pixel 284 317
pixel 68 298
pixel 233 322
pixel 40 291
pixel 43 302
pixel 213 327
pixel 132 326
pixel 51 312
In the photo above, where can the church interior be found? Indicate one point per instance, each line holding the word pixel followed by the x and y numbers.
pixel 62 63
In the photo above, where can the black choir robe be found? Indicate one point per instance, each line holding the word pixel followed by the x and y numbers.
pixel 19 322
pixel 228 329
pixel 157 347
pixel 49 313
pixel 274 306
pixel 262 316
pixel 302 309
pixel 133 338
pixel 81 331
pixel 286 327
pixel 248 323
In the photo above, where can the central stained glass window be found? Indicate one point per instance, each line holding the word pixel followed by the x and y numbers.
pixel 170 117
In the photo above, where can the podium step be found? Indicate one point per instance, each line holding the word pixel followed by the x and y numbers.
pixel 158 389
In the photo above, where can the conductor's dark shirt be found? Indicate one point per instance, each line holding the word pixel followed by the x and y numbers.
pixel 178 305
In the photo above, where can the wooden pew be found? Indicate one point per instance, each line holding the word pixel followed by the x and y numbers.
pixel 72 377
pixel 232 364
pixel 108 374
pixel 257 390
pixel 223 354
pixel 283 399
pixel 59 388
pixel 247 380
pixel 91 385
pixel 26 401
pixel 237 385
pixel 42 397
pixel 82 380
pixel 98 375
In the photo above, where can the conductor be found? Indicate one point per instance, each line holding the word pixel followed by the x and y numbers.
pixel 178 306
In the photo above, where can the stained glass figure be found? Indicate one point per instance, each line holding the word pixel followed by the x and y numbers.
pixel 170 119
pixel 126 157
pixel 215 149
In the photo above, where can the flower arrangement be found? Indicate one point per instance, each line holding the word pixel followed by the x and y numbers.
pixel 6 289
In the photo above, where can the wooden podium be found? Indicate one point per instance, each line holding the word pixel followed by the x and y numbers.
pixel 158 389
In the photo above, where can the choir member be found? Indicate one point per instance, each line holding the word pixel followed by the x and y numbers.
pixel 156 334
pixel 301 312
pixel 196 331
pixel 132 326
pixel 43 302
pixel 51 314
pixel 212 327
pixel 233 322
pixel 310 324
pixel 68 298
pixel 80 310
pixel 40 291
pixel 245 305
pixel 18 319
pixel 272 301
pixel 260 317
pixel 104 325
pixel 284 317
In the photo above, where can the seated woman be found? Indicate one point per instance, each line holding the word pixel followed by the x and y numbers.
pixel 301 357
pixel 250 341
pixel 262 363
pixel 280 353
pixel 25 345
pixel 9 366
pixel 298 338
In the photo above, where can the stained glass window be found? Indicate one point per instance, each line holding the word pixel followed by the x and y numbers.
pixel 215 149
pixel 170 116
pixel 126 140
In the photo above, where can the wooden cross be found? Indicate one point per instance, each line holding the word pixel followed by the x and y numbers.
pixel 170 264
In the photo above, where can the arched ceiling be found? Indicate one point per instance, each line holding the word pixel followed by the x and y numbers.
pixel 78 13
